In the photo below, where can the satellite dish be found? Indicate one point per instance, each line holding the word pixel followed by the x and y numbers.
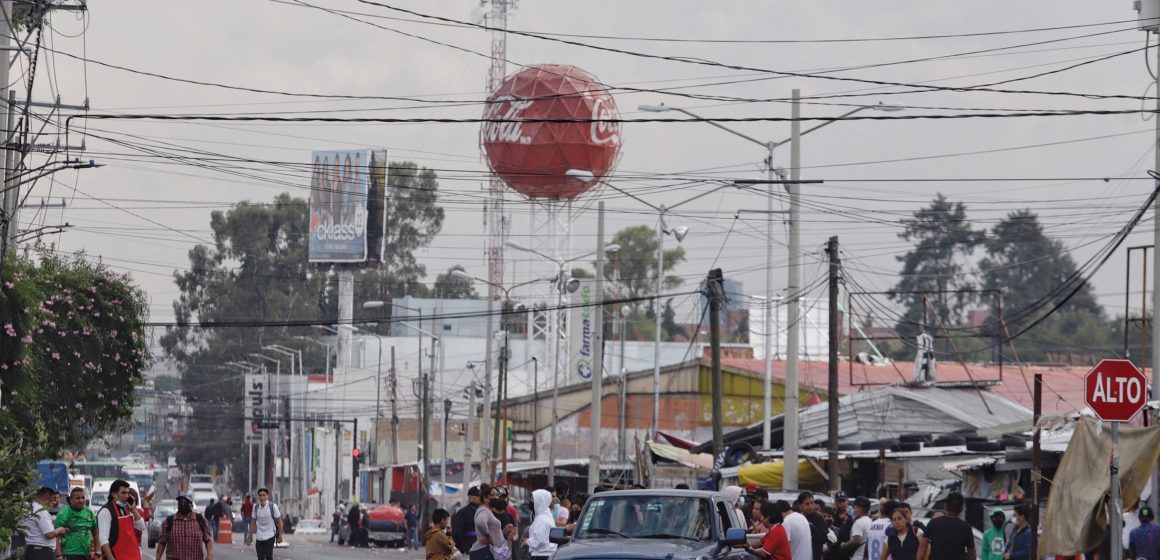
pixel 476 15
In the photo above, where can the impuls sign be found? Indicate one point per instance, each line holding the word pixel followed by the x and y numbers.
pixel 1115 390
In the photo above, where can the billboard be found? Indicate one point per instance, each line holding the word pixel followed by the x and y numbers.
pixel 581 332
pixel 254 403
pixel 347 210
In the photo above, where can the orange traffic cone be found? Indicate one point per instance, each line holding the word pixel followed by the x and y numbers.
pixel 225 530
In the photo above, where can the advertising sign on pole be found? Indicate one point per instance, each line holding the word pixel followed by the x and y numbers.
pixel 254 402
pixel 347 211
pixel 582 319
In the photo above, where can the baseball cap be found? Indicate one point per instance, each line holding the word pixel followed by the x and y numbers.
pixel 841 497
pixel 862 501
pixel 1147 513
pixel 751 487
pixel 185 496
pixel 997 511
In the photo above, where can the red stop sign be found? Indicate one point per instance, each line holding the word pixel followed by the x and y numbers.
pixel 1115 390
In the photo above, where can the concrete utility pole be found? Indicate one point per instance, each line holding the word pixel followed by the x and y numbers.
pixel 394 412
pixel 715 287
pixel 793 287
pixel 1155 500
pixel 469 436
pixel 597 358
pixel 832 389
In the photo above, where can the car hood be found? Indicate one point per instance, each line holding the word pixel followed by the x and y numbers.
pixel 642 549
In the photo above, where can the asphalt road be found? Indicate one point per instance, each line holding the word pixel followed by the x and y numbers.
pixel 303 548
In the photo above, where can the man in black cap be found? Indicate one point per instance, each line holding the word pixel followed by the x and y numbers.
pixel 841 511
pixel 463 522
pixel 855 544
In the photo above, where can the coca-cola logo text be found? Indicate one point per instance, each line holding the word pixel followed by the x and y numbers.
pixel 605 127
pixel 503 120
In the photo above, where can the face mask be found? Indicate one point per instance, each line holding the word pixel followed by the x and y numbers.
pixel 184 507
pixel 122 503
pixel 998 523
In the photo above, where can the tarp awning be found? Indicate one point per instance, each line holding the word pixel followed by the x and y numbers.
pixel 769 474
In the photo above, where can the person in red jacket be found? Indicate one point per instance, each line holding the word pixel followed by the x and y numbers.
pixel 775 544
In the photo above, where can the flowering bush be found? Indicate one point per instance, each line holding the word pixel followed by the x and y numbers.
pixel 72 350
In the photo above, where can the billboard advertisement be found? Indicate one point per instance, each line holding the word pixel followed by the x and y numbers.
pixel 347 211
pixel 581 332
pixel 254 403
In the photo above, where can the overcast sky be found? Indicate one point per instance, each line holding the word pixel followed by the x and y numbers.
pixel 164 207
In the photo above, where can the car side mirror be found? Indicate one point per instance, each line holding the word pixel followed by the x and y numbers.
pixel 734 536
pixel 557 535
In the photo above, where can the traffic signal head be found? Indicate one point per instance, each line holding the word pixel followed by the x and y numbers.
pixel 356 454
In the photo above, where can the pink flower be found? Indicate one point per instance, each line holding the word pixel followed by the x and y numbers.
pixel 115 402
pixel 56 355
pixel 27 339
pixel 9 329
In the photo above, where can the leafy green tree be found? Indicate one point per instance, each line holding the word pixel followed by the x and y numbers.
pixel 637 260
pixel 450 286
pixel 943 241
pixel 669 327
pixel 582 273
pixel 72 352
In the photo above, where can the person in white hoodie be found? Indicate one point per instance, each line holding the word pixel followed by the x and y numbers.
pixel 539 547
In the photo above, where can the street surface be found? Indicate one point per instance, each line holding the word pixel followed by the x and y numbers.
pixel 303 548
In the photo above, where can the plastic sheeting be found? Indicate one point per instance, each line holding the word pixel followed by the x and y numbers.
pixel 1077 506
pixel 769 474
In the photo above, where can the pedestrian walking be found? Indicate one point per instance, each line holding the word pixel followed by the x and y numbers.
pixel 185 535
pixel 903 543
pixel 539 547
pixel 412 527
pixel 995 537
pixel 79 541
pixel 212 512
pixel 463 523
pixel 439 545
pixel 1144 541
pixel 1021 540
pixel 947 536
pixel 335 521
pixel 492 540
pixel 39 533
pixel 876 533
pixel 775 544
pixel 247 517
pixel 798 528
pixel 118 523
pixel 266 525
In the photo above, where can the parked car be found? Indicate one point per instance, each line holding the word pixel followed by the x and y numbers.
pixel 311 527
pixel 655 524
pixel 387 525
pixel 201 501
pixel 161 510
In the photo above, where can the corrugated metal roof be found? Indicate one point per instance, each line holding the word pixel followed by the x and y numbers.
pixel 891 411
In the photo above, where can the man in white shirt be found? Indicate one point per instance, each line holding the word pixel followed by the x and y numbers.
pixel 39 535
pixel 797 528
pixel 876 533
pixel 266 526
pixel 856 546
pixel 117 524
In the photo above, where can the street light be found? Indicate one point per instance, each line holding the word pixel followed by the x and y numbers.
pixel 790 442
pixel 565 284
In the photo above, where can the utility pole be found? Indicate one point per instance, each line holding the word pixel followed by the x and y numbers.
pixel 832 389
pixel 425 436
pixel 597 358
pixel 501 383
pixel 443 467
pixel 1035 463
pixel 793 289
pixel 469 435
pixel 394 412
pixel 427 406
pixel 1155 500
pixel 337 463
pixel 714 284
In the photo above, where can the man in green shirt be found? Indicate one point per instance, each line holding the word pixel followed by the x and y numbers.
pixel 80 541
pixel 995 539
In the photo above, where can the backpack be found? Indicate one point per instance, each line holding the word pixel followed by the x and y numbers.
pixel 168 524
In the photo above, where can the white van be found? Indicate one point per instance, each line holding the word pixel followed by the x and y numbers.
pixel 100 494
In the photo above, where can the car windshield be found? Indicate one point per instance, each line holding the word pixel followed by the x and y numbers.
pixel 657 517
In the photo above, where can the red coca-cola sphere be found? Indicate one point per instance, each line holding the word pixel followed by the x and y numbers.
pixel 533 157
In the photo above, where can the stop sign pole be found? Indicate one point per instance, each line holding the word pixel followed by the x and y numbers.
pixel 1115 390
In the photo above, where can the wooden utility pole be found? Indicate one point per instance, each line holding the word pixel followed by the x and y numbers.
pixel 714 286
pixel 832 389
pixel 1035 462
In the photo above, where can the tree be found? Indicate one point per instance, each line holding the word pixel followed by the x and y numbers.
pixel 1034 274
pixel 450 286
pixel 72 352
pixel 256 272
pixel 933 270
pixel 413 219
pixel 581 273
pixel 669 325
pixel 637 260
